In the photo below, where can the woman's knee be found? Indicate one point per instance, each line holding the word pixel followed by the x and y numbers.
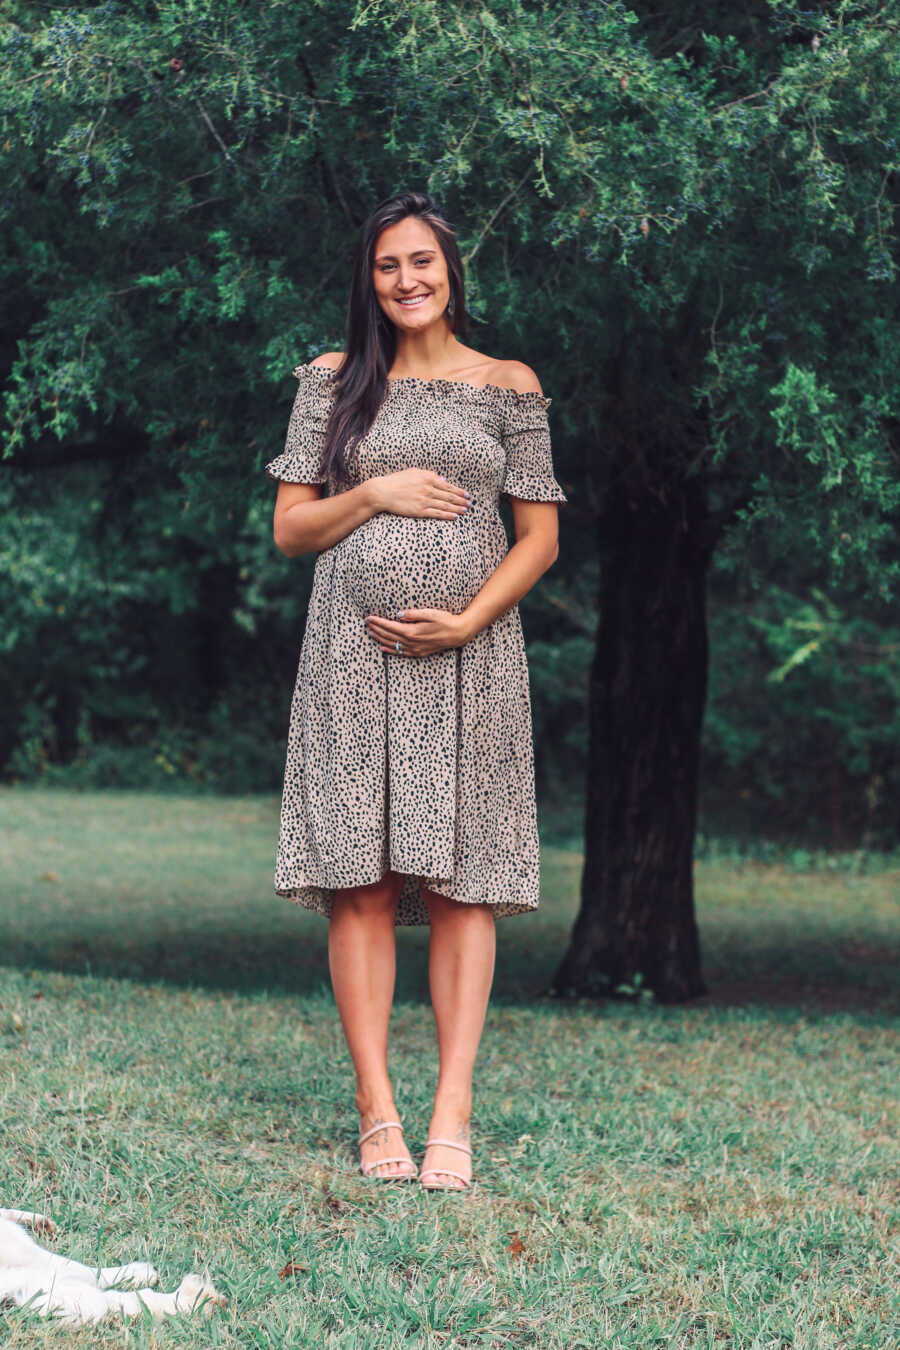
pixel 444 907
pixel 378 897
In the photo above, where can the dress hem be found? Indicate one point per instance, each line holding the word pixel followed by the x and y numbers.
pixel 500 911
pixel 322 901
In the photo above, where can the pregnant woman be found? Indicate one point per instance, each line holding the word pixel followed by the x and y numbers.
pixel 409 786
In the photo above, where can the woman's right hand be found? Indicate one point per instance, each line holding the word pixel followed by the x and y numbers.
pixel 419 492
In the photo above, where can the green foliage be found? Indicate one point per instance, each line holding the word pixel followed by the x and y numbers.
pixel 803 720
pixel 684 221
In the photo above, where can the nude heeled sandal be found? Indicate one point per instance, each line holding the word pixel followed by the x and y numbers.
pixel 368 1169
pixel 467 1184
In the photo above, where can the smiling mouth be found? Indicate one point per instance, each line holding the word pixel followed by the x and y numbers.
pixel 412 301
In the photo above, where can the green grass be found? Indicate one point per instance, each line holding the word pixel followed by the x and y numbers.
pixel 174 1086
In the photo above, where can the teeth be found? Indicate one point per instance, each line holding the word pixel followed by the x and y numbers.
pixel 414 300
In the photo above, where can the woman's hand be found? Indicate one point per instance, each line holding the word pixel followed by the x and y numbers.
pixel 418 492
pixel 420 632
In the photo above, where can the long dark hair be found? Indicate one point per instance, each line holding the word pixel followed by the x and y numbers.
pixel 371 345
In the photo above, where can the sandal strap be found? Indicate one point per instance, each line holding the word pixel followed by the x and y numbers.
pixel 384 1125
pixel 446 1170
pixel 447 1143
pixel 368 1168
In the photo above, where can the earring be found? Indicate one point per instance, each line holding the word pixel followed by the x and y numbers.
pixel 451 306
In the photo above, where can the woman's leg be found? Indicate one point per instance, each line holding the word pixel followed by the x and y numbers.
pixel 461 971
pixel 363 961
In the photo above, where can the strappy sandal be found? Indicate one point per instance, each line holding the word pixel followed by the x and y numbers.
pixel 467 1184
pixel 369 1169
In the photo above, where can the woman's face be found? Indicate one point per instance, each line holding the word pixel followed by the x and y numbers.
pixel 409 273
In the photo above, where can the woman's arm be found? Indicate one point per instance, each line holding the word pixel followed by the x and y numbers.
pixel 307 522
pixel 535 550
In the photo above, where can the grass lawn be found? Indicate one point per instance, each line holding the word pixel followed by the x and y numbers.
pixel 174 1086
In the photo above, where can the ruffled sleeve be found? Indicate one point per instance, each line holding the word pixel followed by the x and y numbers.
pixel 526 440
pixel 300 461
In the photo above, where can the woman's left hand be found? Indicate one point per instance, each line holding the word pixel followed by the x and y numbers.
pixel 420 632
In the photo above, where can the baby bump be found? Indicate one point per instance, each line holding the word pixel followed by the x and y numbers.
pixel 391 562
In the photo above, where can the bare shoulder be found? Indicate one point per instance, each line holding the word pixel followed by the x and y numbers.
pixel 332 360
pixel 516 375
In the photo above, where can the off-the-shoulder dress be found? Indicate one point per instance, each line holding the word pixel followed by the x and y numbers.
pixel 420 764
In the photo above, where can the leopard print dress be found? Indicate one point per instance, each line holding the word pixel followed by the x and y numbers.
pixel 424 765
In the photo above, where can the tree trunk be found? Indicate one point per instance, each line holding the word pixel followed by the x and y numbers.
pixel 66 712
pixel 647 693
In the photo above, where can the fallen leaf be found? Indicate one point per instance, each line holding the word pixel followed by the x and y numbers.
pixel 292 1268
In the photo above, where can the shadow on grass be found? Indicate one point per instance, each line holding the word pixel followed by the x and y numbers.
pixel 856 988
pixel 229 957
pixel 811 975
pixel 178 891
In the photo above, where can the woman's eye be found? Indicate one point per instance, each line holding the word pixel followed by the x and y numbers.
pixel 387 267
